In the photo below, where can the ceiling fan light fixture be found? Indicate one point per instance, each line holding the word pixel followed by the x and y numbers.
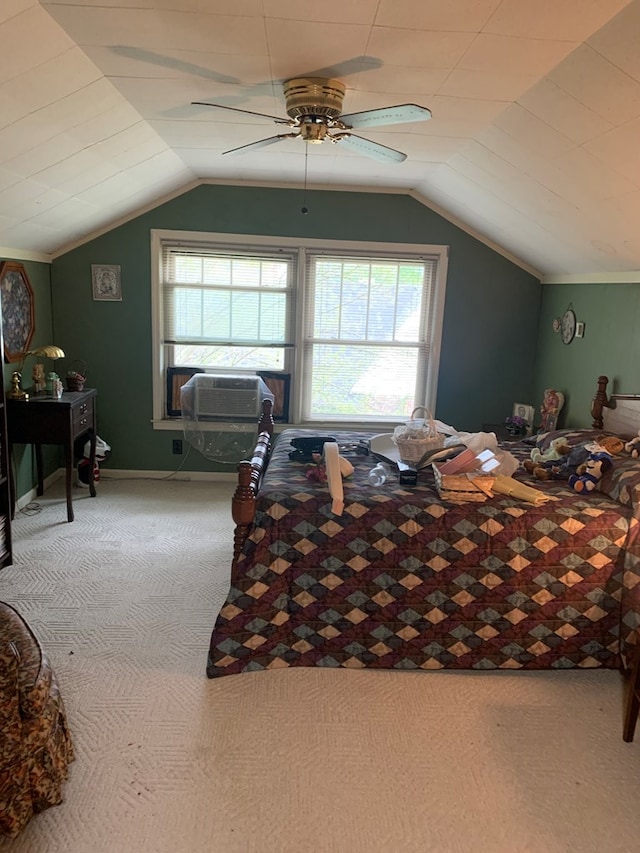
pixel 313 131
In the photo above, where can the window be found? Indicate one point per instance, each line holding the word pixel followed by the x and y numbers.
pixel 356 326
pixel 228 309
pixel 366 336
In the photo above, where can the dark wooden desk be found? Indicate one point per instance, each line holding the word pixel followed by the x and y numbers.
pixel 49 420
pixel 501 432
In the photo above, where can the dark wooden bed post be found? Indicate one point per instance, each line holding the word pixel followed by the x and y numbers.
pixel 265 424
pixel 600 402
pixel 243 508
pixel 250 473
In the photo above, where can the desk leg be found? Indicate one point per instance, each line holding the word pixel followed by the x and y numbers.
pixel 92 464
pixel 68 458
pixel 12 482
pixel 40 486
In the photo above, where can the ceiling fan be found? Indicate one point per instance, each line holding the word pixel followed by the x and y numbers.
pixel 314 107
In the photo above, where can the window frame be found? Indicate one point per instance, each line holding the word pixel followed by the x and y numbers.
pixel 161 353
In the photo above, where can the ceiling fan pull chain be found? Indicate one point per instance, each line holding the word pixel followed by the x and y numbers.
pixel 304 209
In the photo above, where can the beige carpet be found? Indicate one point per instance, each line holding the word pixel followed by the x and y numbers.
pixel 293 761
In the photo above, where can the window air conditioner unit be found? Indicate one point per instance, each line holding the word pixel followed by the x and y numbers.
pixel 227 397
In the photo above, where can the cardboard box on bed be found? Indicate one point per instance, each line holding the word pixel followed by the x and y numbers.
pixel 460 464
pixel 470 486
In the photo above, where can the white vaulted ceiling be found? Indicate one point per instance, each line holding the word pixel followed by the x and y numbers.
pixel 534 142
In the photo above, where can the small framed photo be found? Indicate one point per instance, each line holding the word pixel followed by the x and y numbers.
pixel 579 330
pixel 526 412
pixel 106 282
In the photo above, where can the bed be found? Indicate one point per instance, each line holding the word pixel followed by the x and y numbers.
pixel 403 580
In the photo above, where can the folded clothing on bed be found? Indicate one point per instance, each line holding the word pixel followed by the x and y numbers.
pixel 516 489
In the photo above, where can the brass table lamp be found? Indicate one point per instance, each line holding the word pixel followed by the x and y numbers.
pixel 46 351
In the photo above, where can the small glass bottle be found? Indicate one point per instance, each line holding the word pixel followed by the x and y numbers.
pixel 379 474
pixel 50 384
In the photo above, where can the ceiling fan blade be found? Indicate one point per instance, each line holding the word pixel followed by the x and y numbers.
pixel 262 143
pixel 371 149
pixel 387 115
pixel 153 58
pixel 343 69
pixel 277 119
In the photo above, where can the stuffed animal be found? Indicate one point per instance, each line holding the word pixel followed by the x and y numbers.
pixel 561 468
pixel 557 448
pixel 633 447
pixel 595 467
pixel 541 462
pixel 547 466
pixel 611 443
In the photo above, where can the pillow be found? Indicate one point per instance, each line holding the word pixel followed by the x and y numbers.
pixel 572 437
pixel 622 482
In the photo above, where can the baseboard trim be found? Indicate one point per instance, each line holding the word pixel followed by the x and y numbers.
pixel 122 474
pixel 31 495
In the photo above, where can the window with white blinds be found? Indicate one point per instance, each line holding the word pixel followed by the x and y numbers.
pixel 226 308
pixel 366 336
pixel 356 326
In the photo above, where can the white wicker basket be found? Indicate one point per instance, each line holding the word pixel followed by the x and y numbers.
pixel 418 435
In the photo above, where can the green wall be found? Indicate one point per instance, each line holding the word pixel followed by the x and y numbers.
pixel 490 323
pixel 610 346
pixel 498 343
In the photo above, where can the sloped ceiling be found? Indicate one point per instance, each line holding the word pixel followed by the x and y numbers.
pixel 534 143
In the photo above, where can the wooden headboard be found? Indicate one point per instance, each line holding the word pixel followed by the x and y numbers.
pixel 617 413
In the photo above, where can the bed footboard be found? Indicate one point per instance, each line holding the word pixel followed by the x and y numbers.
pixel 250 474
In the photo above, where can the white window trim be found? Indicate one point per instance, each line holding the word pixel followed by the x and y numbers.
pixel 161 422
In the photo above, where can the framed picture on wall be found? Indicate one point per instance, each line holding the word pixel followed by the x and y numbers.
pixel 106 282
pixel 18 322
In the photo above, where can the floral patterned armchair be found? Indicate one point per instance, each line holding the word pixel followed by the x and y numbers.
pixel 35 746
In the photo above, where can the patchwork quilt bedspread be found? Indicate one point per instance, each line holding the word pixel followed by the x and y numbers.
pixel 403 580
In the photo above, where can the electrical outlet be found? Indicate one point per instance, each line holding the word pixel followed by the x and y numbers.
pixel 177 445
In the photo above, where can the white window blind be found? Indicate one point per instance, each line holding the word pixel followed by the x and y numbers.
pixel 227 297
pixel 367 336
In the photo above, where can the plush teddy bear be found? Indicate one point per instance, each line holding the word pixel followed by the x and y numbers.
pixel 557 448
pixel 633 447
pixel 561 468
pixel 541 462
pixel 611 443
pixel 595 467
